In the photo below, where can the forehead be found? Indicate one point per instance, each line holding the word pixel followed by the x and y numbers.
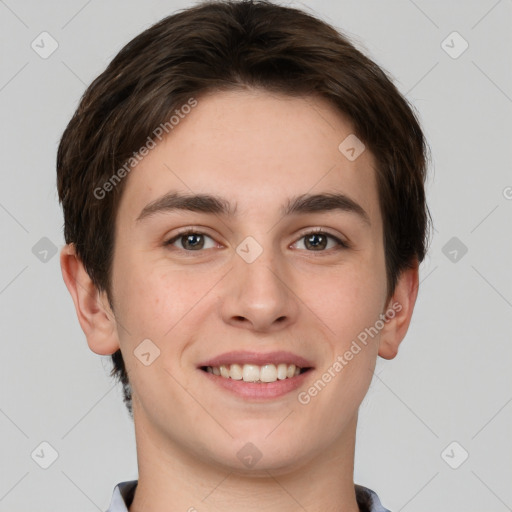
pixel 256 149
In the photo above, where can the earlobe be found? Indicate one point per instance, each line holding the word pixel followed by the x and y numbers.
pixel 399 311
pixel 94 314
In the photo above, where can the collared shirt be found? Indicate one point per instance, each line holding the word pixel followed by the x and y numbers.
pixel 122 498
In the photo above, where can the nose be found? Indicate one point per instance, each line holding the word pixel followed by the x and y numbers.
pixel 259 295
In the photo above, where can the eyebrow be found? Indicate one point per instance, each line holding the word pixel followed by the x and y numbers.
pixel 207 203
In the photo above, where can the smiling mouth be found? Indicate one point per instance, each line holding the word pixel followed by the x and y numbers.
pixel 266 373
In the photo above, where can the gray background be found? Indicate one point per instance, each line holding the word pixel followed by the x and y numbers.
pixel 451 381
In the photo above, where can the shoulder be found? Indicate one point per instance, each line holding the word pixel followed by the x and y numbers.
pixel 368 500
pixel 122 496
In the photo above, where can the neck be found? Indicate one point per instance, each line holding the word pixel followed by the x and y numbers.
pixel 172 478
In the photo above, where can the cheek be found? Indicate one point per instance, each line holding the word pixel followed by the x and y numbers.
pixel 347 301
pixel 154 300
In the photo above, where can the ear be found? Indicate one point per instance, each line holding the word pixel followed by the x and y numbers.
pixel 399 311
pixel 94 313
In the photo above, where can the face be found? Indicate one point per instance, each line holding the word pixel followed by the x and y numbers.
pixel 249 282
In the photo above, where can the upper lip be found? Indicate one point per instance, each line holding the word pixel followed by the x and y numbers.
pixel 257 358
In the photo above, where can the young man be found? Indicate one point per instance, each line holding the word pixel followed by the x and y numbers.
pixel 244 205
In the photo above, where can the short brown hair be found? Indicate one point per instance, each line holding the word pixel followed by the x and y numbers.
pixel 226 45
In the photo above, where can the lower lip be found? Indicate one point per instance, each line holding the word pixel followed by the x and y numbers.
pixel 262 391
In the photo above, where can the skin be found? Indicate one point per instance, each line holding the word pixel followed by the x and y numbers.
pixel 255 149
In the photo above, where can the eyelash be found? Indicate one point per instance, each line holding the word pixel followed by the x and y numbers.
pixel 341 244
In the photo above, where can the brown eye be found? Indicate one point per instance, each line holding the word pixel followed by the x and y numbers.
pixel 190 241
pixel 318 241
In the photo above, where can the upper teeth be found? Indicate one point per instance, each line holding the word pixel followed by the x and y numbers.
pixel 255 373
